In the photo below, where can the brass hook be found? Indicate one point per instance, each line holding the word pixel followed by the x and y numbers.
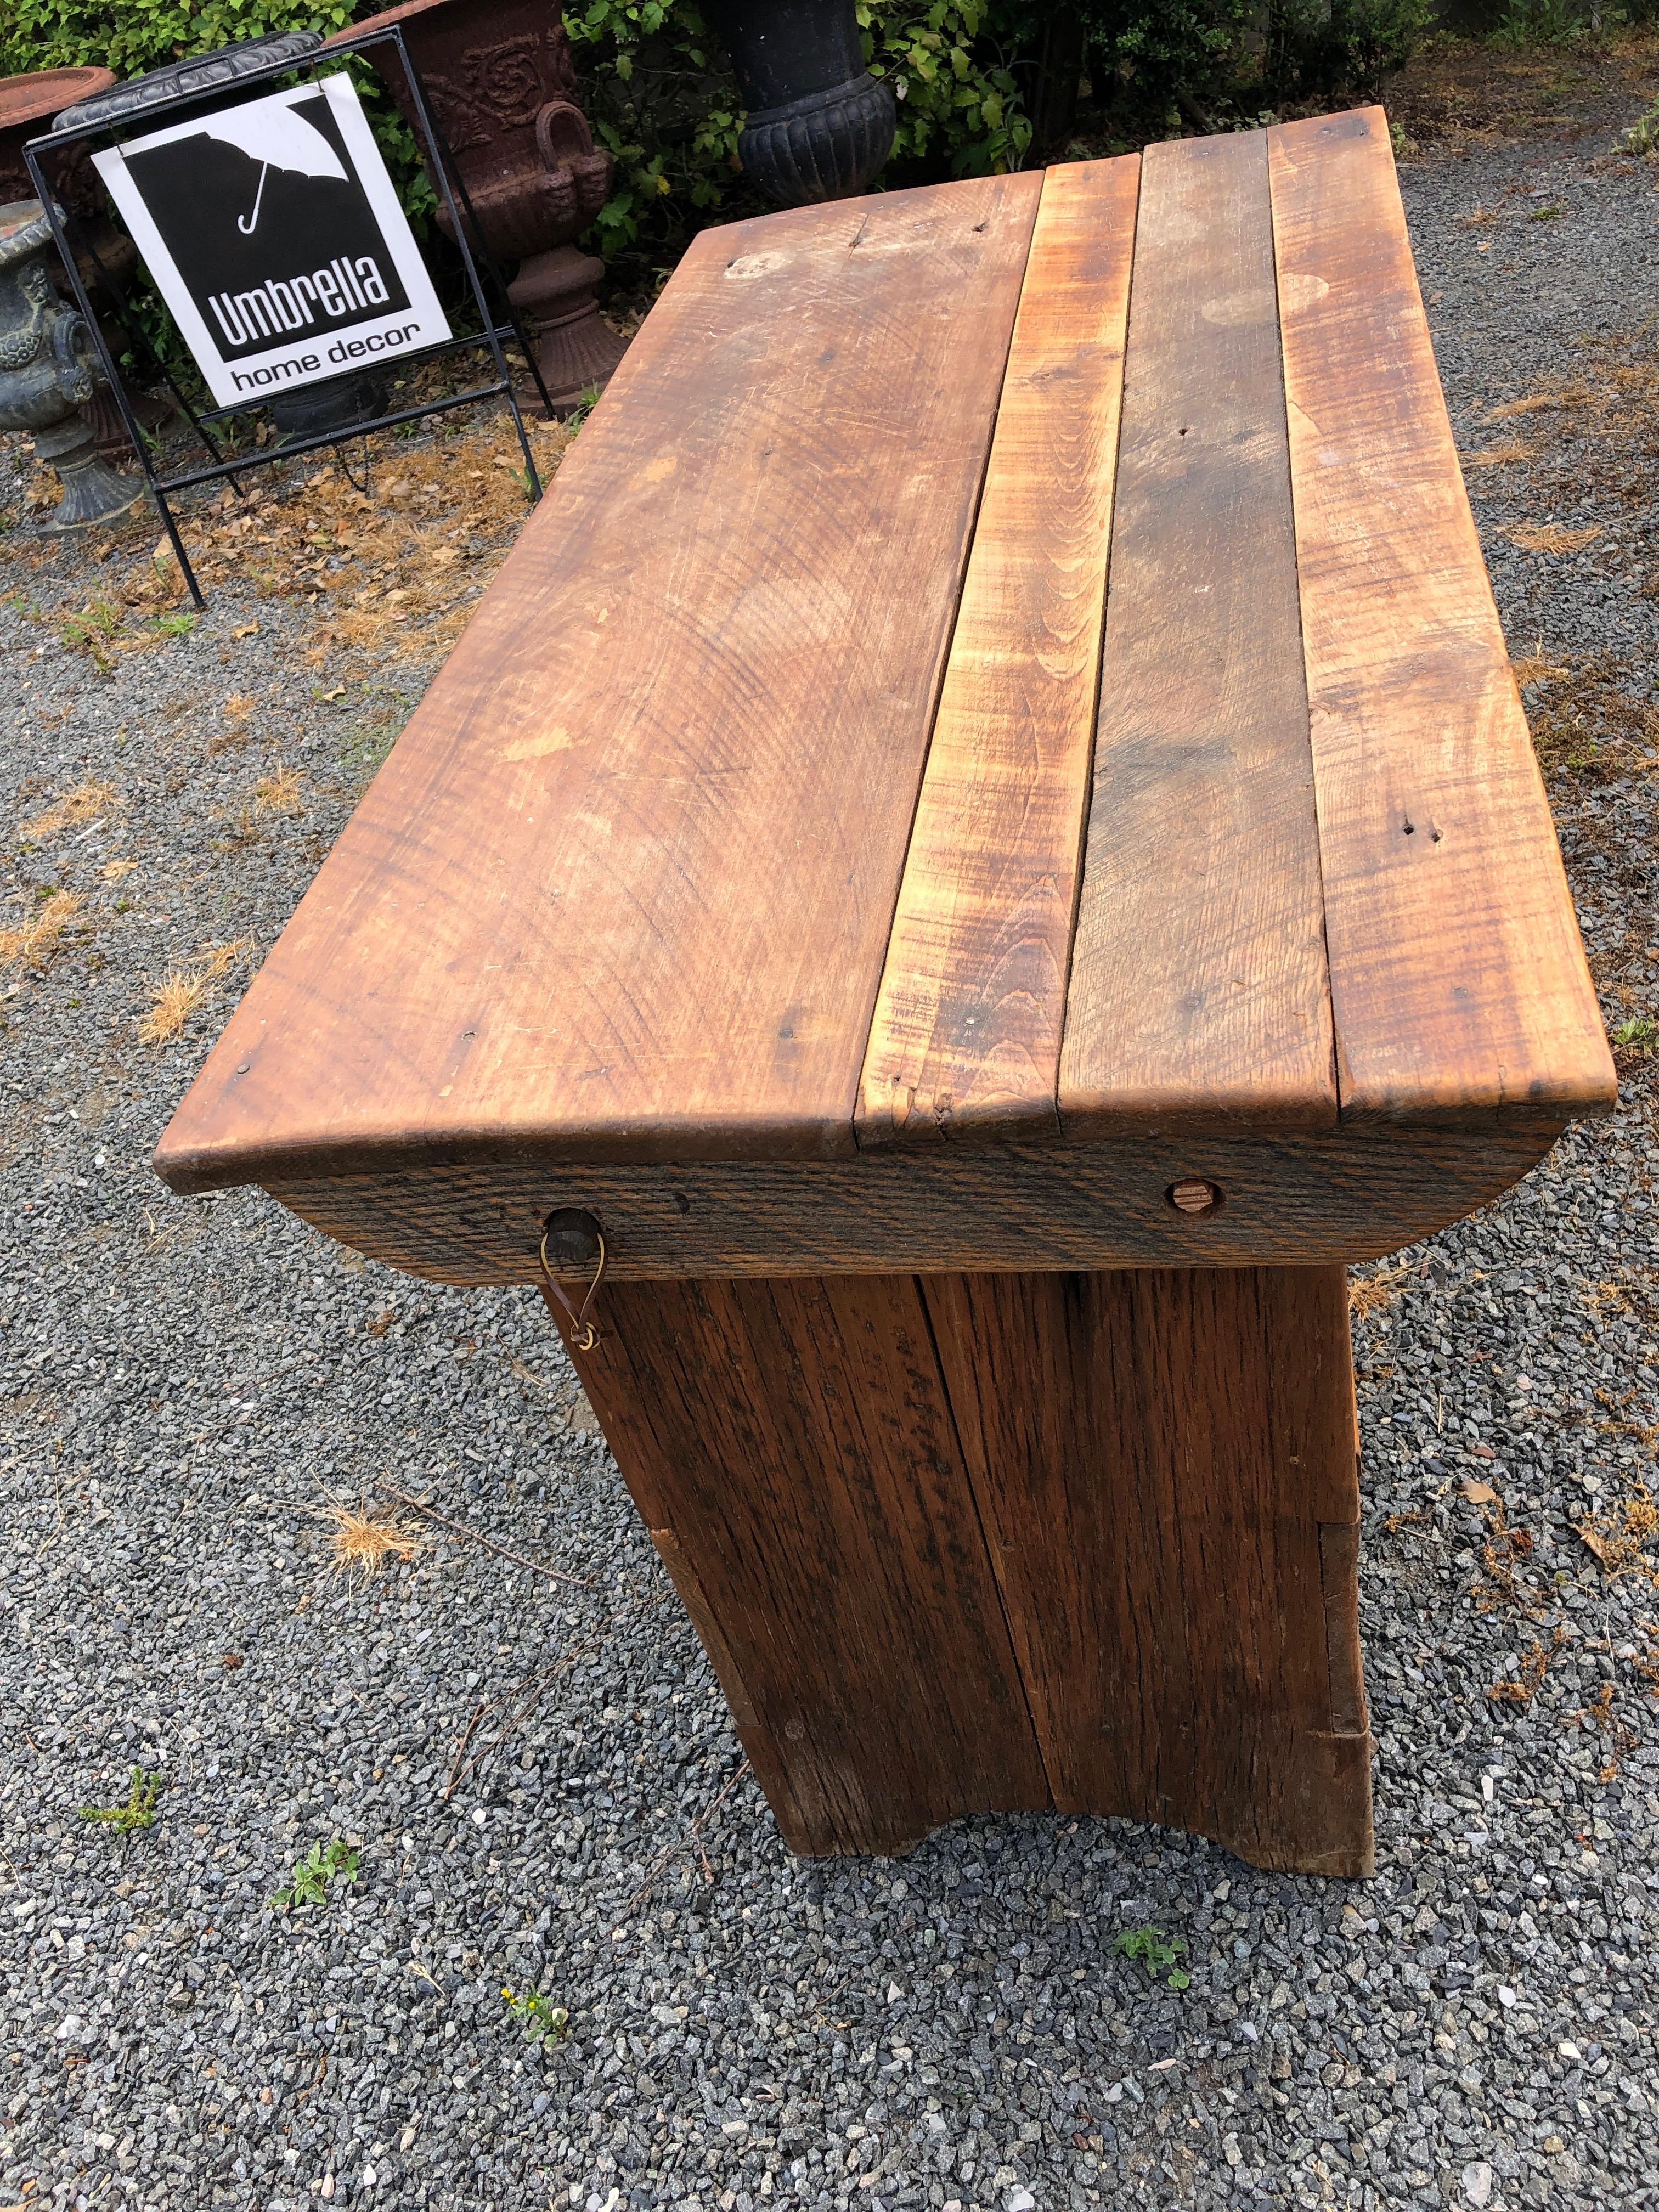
pixel 584 1334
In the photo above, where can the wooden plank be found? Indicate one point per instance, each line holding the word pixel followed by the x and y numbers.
pixel 1457 977
pixel 1165 1465
pixel 624 887
pixel 966 1037
pixel 1198 994
pixel 1303 1197
pixel 790 1448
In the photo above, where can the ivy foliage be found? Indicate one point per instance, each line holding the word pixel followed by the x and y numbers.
pixel 132 36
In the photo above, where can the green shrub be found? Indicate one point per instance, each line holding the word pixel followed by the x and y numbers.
pixel 132 36
pixel 1217 63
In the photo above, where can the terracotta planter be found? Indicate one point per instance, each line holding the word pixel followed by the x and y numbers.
pixel 500 79
pixel 27 105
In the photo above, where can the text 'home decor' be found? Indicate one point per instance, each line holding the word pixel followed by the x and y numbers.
pixel 276 239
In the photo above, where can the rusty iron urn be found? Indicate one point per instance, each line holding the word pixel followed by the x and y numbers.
pixel 500 79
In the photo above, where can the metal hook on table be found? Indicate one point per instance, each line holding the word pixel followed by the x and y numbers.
pixel 570 1224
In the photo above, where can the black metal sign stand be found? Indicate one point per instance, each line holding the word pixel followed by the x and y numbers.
pixel 70 236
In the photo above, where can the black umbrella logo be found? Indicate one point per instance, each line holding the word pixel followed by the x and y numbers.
pixel 277 138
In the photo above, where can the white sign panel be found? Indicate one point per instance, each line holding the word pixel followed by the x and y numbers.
pixel 275 237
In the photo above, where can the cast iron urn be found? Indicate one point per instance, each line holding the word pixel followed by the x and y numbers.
pixel 48 369
pixel 500 79
pixel 818 125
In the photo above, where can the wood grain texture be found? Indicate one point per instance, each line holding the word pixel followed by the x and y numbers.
pixel 1165 1464
pixel 1198 992
pixel 965 1043
pixel 1297 1199
pixel 790 1448
pixel 1457 978
pixel 624 886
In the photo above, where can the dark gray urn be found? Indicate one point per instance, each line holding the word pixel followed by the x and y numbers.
pixel 48 369
pixel 818 125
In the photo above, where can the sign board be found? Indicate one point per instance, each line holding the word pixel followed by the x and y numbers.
pixel 277 240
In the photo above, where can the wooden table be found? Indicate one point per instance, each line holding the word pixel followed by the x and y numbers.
pixel 985 831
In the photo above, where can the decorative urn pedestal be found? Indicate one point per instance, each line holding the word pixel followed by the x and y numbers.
pixel 48 370
pixel 500 78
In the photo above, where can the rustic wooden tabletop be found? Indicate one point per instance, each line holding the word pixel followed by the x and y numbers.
pixel 1000 712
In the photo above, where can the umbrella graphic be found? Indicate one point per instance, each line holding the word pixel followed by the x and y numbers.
pixel 277 138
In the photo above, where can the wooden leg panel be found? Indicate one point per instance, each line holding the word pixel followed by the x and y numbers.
pixel 790 1448
pixel 1166 1469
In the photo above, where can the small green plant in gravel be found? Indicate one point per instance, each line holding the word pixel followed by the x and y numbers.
pixel 87 632
pixel 323 1863
pixel 542 2020
pixel 583 408
pixel 1635 1034
pixel 1155 1951
pixel 138 1812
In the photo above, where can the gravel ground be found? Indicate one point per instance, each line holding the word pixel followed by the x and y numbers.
pixel 187 1383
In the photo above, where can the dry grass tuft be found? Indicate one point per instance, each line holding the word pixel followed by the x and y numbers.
pixel 279 792
pixel 1575 394
pixel 1522 1688
pixel 31 944
pixel 362 1542
pixel 1496 456
pixel 1532 668
pixel 1375 1292
pixel 1555 538
pixel 1619 1541
pixel 176 999
pixel 84 804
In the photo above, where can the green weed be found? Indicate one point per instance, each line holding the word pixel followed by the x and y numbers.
pixel 138 1812
pixel 542 2020
pixel 89 632
pixel 1638 1033
pixel 322 1864
pixel 1155 1950
pixel 583 408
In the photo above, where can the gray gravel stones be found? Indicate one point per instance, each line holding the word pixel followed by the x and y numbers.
pixel 185 1383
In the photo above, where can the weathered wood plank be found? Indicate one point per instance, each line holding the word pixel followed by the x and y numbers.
pixel 1165 1465
pixel 1457 977
pixel 966 1039
pixel 625 884
pixel 1298 1199
pixel 791 1450
pixel 1198 992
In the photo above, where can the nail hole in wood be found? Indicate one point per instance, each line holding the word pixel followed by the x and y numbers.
pixel 1196 1198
